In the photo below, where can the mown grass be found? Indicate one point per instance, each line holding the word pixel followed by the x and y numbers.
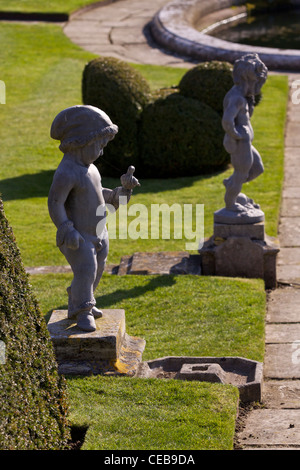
pixel 177 315
pixel 38 6
pixel 139 414
pixel 42 70
pixel 181 315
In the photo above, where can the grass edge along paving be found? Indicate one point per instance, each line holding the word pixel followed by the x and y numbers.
pixel 223 317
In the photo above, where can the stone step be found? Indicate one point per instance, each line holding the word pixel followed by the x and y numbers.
pixel 107 349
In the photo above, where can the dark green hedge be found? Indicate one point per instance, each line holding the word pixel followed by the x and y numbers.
pixel 33 395
pixel 180 136
pixel 208 82
pixel 164 133
pixel 121 92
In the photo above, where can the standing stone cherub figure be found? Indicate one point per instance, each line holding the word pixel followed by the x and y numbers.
pixel 249 75
pixel 75 195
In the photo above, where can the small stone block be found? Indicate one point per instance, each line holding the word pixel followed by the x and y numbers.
pixel 252 231
pixel 72 343
pixel 202 372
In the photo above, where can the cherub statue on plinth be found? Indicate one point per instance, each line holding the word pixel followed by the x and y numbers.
pixel 74 198
pixel 249 75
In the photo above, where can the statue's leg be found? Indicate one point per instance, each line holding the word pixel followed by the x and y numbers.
pixel 242 161
pixel 233 188
pixel 84 266
pixel 101 262
pixel 257 167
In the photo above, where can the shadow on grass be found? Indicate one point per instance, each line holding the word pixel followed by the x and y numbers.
pixel 110 300
pixel 38 184
pixel 27 186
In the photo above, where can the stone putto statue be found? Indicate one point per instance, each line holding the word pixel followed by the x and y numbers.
pixel 75 195
pixel 249 75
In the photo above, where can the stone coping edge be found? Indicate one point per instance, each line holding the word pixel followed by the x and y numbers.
pixel 172 28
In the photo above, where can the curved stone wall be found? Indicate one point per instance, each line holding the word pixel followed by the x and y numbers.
pixel 172 28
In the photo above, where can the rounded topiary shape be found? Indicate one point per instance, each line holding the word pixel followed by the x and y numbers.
pixel 208 82
pixel 121 92
pixel 180 136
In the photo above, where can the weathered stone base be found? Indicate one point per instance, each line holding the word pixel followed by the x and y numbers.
pixel 245 374
pixel 240 251
pixel 109 349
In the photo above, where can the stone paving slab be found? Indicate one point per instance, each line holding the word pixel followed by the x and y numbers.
pixel 288 256
pixel 291 192
pixel 281 394
pixel 289 231
pixel 283 305
pixel 126 36
pixel 290 207
pixel 289 275
pixel 282 361
pixel 271 427
pixel 282 333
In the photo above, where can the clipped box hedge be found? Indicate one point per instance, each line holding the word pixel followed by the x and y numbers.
pixel 33 396
pixel 164 133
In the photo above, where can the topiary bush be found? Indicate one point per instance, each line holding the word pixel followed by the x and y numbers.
pixel 33 395
pixel 180 136
pixel 121 91
pixel 208 82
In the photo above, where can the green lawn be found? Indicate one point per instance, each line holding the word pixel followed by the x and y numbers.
pixel 42 70
pixel 177 315
pixel 139 414
pixel 51 6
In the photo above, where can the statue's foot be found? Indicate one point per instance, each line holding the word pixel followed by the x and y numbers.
pixel 236 207
pixel 246 201
pixel 96 312
pixel 86 321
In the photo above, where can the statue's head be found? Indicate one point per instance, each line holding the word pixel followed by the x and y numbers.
pixel 249 69
pixel 77 126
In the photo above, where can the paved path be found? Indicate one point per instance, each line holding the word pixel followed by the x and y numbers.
pixel 118 30
pixel 277 425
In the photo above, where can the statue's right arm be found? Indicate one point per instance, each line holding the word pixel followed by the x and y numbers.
pixel 231 110
pixel 59 191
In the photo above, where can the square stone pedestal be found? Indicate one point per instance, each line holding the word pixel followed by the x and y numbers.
pixel 108 349
pixel 240 251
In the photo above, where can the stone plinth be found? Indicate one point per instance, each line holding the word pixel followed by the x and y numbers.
pixel 107 349
pixel 240 251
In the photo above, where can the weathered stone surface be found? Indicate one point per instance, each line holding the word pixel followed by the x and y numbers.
pixel 245 374
pixel 271 427
pixel 282 361
pixel 71 342
pixel 108 349
pixel 283 333
pixel 283 306
pixel 239 257
pixel 252 231
pixel 202 372
pixel 281 394
pixel 172 27
pixel 252 216
pixel 289 231
pixel 169 262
